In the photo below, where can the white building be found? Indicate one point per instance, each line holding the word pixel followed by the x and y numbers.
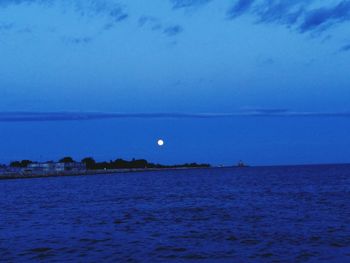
pixel 51 167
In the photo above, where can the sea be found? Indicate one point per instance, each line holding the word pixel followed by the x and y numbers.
pixel 250 214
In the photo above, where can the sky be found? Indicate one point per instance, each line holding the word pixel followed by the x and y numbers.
pixel 263 81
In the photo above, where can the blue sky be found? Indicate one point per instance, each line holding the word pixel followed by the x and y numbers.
pixel 183 56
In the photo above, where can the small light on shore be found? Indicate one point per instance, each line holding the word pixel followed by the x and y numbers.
pixel 160 142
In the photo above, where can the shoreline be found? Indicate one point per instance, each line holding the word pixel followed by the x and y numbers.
pixel 96 172
pixel 14 176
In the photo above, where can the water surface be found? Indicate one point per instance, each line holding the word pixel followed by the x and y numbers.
pixel 264 214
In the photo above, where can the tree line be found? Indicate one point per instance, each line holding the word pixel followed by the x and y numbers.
pixel 91 164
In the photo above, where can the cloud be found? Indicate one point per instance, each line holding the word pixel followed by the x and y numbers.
pixel 345 48
pixel 325 17
pixel 303 15
pixel 17 2
pixel 239 8
pixel 6 26
pixel 78 40
pixel 11 27
pixel 108 12
pixel 150 22
pixel 113 11
pixel 173 30
pixel 268 11
pixel 188 3
pixel 85 116
pixel 299 14
pixel 110 9
pixel 286 13
pixel 144 20
pixel 155 24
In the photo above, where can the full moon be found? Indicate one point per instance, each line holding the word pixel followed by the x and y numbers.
pixel 160 142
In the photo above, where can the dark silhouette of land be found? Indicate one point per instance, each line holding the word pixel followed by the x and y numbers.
pixel 91 164
pixel 67 166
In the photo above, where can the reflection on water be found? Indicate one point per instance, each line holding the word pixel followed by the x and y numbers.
pixel 288 214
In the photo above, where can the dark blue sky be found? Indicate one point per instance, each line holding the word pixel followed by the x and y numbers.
pixel 183 56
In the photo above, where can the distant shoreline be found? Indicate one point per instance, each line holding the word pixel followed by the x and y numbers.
pixel 97 172
pixel 140 170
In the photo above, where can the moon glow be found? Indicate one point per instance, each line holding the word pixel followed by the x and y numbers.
pixel 160 142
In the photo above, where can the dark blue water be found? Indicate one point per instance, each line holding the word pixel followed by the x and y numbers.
pixel 280 214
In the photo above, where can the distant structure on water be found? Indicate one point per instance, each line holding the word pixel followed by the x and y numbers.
pixel 241 164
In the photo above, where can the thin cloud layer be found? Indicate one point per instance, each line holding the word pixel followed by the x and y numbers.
pixel 173 30
pixel 303 15
pixel 149 21
pixel 78 40
pixel 6 26
pixel 114 11
pixel 300 14
pixel 108 9
pixel 85 116
pixel 324 17
pixel 240 8
pixel 155 24
pixel 188 3
pixel 345 48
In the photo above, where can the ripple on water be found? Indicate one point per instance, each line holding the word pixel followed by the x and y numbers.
pixel 223 215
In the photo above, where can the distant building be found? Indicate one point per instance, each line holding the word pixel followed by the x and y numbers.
pixel 51 167
pixel 7 170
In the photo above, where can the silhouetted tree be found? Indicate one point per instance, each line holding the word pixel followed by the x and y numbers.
pixel 20 164
pixel 15 164
pixel 67 160
pixel 25 163
pixel 120 163
pixel 139 163
pixel 89 162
